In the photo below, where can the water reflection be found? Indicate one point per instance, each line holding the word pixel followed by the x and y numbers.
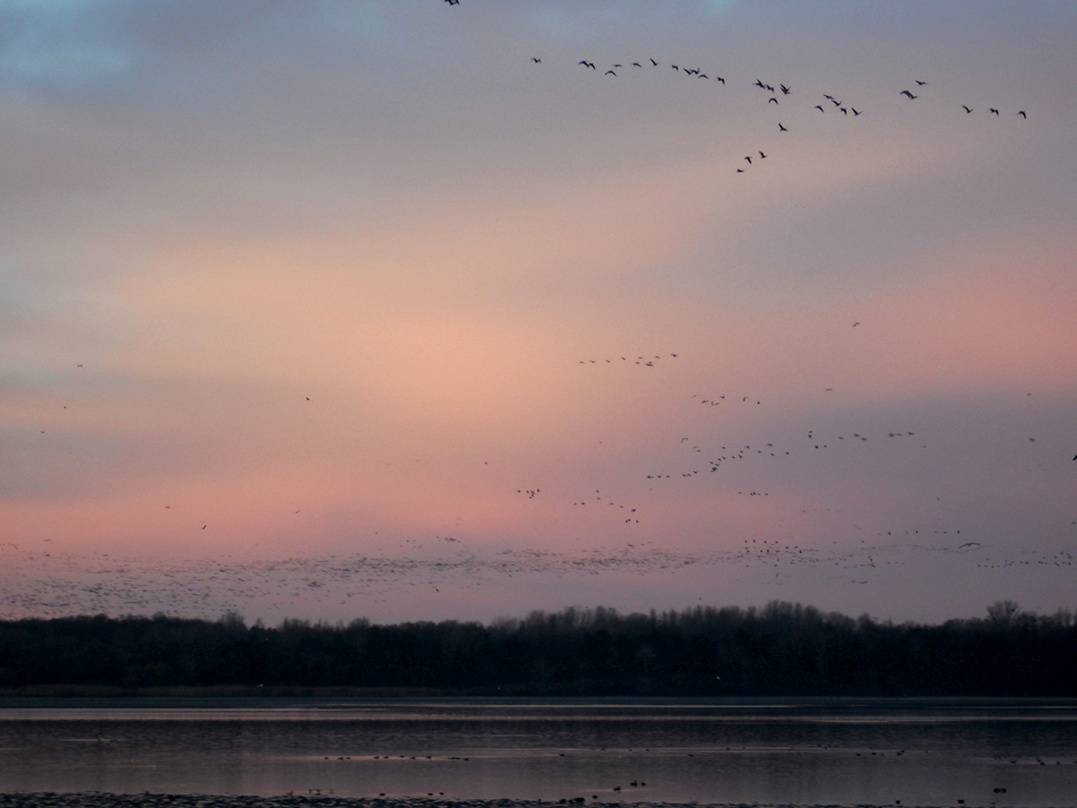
pixel 800 752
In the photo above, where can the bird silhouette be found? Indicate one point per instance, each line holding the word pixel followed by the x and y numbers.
pixel 909 94
pixel 854 110
pixel 993 111
pixel 1023 114
pixel 920 83
pixel 610 73
pixel 585 63
pixel 820 108
pixel 654 63
pixel 781 127
pixel 536 60
pixel 967 108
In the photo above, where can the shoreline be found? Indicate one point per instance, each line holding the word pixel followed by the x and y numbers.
pixel 101 799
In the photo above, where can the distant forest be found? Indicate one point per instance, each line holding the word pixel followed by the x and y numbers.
pixel 780 649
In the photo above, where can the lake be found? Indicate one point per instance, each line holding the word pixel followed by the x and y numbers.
pixel 766 751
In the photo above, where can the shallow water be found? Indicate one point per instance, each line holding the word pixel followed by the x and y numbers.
pixel 852 751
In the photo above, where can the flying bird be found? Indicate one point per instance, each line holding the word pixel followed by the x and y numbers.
pixel 1023 114
pixel 820 108
pixel 781 127
pixel 762 156
pixel 855 110
pixel 909 94
pixel 993 111
pixel 967 108
pixel 785 90
pixel 720 79
pixel 772 100
pixel 920 83
pixel 610 73
pixel 654 63
pixel 749 159
pixel 536 60
pixel 585 63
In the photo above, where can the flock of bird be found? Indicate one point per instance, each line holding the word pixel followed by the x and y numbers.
pixel 776 93
pixel 52 583
pixel 59 582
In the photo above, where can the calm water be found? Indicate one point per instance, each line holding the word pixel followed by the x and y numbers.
pixel 782 751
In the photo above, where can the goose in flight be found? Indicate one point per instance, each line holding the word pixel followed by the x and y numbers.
pixel 653 62
pixel 585 63
pixel 772 100
pixel 993 111
pixel 610 73
pixel 762 156
pixel 720 79
pixel 536 60
pixel 781 127
pixel 785 90
pixel 749 159
pixel 1023 114
pixel 909 94
pixel 820 108
pixel 920 83
pixel 855 111
pixel 967 108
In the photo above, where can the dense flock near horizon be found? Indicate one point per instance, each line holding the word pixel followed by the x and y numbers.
pixel 59 582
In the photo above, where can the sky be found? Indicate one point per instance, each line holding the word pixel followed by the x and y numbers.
pixel 299 301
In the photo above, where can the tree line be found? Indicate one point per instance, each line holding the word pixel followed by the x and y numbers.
pixel 781 649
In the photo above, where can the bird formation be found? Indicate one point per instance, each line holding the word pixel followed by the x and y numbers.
pixel 776 93
pixel 641 360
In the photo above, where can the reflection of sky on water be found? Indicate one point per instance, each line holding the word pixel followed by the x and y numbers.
pixel 517 751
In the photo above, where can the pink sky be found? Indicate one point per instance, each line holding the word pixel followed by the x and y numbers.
pixel 345 260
